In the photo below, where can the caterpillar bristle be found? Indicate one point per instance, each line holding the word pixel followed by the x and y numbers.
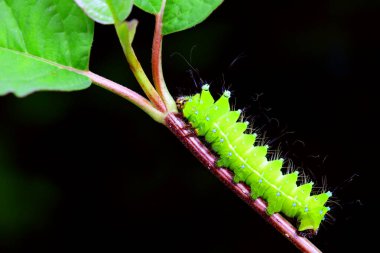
pixel 275 154
pixel 303 177
pixel 324 183
pixel 290 168
pixel 334 202
pixel 328 218
pixel 262 139
pixel 252 130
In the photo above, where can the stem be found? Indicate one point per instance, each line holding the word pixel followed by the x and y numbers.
pixel 158 76
pixel 180 129
pixel 122 30
pixel 128 94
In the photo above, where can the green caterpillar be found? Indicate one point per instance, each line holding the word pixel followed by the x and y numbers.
pixel 218 124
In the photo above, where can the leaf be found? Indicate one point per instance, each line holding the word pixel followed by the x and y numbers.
pixel 180 14
pixel 44 45
pixel 183 14
pixel 150 6
pixel 106 11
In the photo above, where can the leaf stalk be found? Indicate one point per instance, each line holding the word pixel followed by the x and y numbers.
pixel 158 76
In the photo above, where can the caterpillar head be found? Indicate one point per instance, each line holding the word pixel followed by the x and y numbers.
pixel 181 101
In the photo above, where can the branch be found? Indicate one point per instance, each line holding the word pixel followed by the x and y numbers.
pixel 128 94
pixel 180 129
pixel 158 76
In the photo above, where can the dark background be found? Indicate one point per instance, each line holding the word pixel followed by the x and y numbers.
pixel 88 171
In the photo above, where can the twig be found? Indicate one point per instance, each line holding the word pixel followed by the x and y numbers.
pixel 126 93
pixel 179 128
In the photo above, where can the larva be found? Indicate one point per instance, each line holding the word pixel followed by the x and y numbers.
pixel 220 128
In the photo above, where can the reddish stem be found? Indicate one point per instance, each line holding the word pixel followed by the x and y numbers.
pixel 180 129
pixel 157 73
pixel 156 53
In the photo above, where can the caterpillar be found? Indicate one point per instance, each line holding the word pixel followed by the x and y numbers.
pixel 221 129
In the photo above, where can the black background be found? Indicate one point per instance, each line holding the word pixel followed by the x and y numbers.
pixel 92 172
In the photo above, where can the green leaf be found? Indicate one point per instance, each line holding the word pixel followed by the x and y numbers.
pixel 180 14
pixel 183 14
pixel 44 45
pixel 151 6
pixel 106 11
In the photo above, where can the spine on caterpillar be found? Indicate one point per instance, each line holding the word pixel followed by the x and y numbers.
pixel 227 136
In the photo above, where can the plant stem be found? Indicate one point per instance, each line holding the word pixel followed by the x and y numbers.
pixel 128 94
pixel 158 76
pixel 180 129
pixel 122 30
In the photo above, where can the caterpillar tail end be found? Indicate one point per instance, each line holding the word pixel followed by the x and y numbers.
pixel 309 233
